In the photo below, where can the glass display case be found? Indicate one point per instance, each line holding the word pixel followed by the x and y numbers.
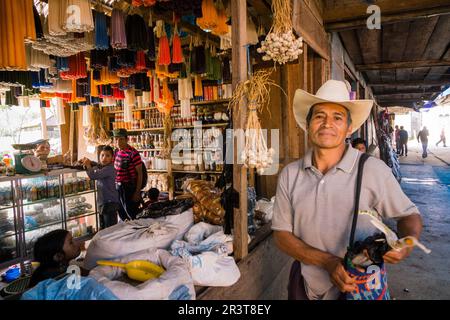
pixel 31 206
pixel 9 233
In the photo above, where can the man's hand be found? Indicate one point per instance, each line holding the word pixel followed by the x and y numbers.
pixel 339 277
pixel 136 197
pixel 394 256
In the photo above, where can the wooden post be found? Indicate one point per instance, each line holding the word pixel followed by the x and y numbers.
pixel 65 128
pixel 239 70
pixel 72 134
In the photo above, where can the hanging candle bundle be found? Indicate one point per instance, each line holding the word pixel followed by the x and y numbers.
pixel 141 64
pixel 106 77
pixel 146 3
pixel 60 116
pixel 256 154
pixel 185 94
pixel 101 31
pixel 165 102
pixel 177 52
pixel 209 19
pixel 151 53
pixel 164 48
pixel 118 32
pixel 129 103
pixel 198 86
pixel 77 68
pixel 38 24
pixel 281 44
pixel 40 79
pixel 98 59
pixel 16 25
pixel 222 27
pixel 81 9
pixel 62 64
pixel 136 30
pixel 118 94
pixel 198 57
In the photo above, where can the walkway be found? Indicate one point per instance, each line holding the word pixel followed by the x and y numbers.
pixel 427 183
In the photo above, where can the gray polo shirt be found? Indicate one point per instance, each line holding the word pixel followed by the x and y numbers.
pixel 318 208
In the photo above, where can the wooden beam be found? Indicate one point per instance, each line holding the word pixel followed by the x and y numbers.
pixel 308 26
pixel 401 96
pixel 381 94
pixel 403 65
pixel 439 40
pixel 239 69
pixel 346 22
pixel 431 83
pixel 398 101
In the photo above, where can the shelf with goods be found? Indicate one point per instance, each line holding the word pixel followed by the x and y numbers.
pixel 80 204
pixel 34 214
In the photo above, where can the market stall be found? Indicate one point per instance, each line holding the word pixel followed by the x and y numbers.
pixel 161 70
pixel 177 75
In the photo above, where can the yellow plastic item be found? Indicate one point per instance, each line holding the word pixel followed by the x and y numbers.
pixel 139 270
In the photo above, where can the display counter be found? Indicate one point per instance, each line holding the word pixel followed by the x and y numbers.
pixel 33 205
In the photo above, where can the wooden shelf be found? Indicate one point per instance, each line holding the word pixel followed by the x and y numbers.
pixel 199 103
pixel 83 215
pixel 141 109
pixel 184 127
pixel 154 170
pixel 203 126
pixel 146 129
pixel 197 172
pixel 206 102
pixel 145 150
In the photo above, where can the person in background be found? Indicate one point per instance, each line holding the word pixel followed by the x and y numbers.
pixel 54 251
pixel 153 195
pixel 397 139
pixel 129 177
pixel 359 144
pixel 423 138
pixel 403 142
pixel 442 138
pixel 108 197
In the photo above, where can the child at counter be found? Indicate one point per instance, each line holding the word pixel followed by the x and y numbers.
pixel 105 174
pixel 54 251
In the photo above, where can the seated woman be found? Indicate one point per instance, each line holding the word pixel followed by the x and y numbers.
pixel 54 251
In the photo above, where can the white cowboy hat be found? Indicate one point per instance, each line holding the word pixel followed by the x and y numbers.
pixel 335 92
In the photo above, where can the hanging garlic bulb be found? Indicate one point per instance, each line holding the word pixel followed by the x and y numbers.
pixel 280 44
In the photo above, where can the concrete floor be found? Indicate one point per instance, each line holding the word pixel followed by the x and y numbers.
pixel 427 183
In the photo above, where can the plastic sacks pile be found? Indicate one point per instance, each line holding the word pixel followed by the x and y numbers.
pixel 191 255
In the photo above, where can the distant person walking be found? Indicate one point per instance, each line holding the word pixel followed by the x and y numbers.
pixel 397 139
pixel 403 142
pixel 442 138
pixel 423 138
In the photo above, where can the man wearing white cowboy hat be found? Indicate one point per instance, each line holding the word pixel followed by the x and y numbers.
pixel 315 196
